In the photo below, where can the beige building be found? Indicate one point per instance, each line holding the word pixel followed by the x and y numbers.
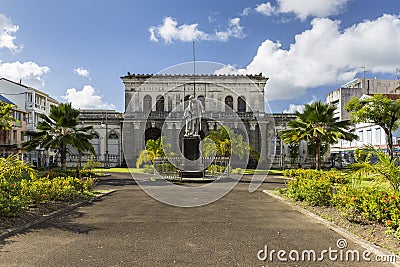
pixel 11 140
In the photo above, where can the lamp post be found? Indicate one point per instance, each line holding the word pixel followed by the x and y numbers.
pixel 104 124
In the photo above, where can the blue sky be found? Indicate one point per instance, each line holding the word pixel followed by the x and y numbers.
pixel 78 50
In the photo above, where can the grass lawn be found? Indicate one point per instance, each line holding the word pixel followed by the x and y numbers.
pixel 252 171
pixel 120 170
pixel 142 170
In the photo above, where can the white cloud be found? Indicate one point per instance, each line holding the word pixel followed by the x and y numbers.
pixel 7 29
pixel 300 108
pixel 246 11
pixel 169 31
pixel 325 55
pixel 311 8
pixel 304 8
pixel 293 108
pixel 82 72
pixel 228 70
pixel 29 73
pixel 233 31
pixel 266 9
pixel 86 99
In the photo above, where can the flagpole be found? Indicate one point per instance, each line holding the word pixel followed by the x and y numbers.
pixel 194 71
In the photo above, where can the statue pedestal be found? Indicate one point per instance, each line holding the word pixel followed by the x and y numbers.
pixel 192 162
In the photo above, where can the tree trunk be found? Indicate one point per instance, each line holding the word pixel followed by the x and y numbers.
pixel 390 145
pixel 317 155
pixel 63 158
pixel 389 135
pixel 78 167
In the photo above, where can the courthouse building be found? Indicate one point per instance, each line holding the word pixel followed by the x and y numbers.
pixel 154 105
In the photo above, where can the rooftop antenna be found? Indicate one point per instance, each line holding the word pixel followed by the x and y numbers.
pixel 194 71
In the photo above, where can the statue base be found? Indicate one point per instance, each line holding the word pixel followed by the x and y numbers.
pixel 192 162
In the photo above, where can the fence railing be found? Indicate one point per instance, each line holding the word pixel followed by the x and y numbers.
pixel 172 168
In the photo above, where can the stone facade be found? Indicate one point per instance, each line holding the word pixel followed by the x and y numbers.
pixel 107 141
pixel 154 106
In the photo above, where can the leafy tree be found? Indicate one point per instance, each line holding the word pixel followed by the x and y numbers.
pixel 380 110
pixel 6 119
pixel 154 149
pixel 60 131
pixel 317 126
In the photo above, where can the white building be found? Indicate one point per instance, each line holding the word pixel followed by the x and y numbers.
pixel 367 133
pixel 356 88
pixel 34 102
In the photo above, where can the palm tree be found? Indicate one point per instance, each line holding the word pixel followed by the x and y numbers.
pixel 154 149
pixel 317 126
pixel 60 131
pixel 226 143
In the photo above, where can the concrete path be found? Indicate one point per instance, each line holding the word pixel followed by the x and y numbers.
pixel 129 228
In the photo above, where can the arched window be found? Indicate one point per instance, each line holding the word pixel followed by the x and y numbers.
pixel 113 145
pixel 228 103
pixel 241 103
pixel 147 103
pixel 160 103
pixel 95 141
pixel 186 101
pixel 112 136
pixel 202 100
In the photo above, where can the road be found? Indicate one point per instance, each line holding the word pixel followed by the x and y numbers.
pixel 129 228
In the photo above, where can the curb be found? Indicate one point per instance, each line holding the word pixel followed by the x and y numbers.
pixel 45 217
pixel 379 251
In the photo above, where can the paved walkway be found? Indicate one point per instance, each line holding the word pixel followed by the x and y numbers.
pixel 129 228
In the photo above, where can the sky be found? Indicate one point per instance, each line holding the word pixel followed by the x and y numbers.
pixel 77 50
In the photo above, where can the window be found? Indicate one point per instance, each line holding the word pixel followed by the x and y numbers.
pixel 160 103
pixel 22 136
pixel 113 136
pixel 228 103
pixel 369 136
pixel 378 136
pixel 147 103
pixel 185 101
pixel 241 104
pixel 14 136
pixel 202 100
pixel 360 136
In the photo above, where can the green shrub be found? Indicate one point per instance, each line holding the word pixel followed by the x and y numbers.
pixel 369 204
pixel 14 197
pixel 316 192
pixel 90 164
pixel 334 176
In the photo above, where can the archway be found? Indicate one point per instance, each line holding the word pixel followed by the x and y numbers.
pixel 152 133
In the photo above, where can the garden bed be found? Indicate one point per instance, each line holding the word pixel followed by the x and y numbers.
pixel 370 231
